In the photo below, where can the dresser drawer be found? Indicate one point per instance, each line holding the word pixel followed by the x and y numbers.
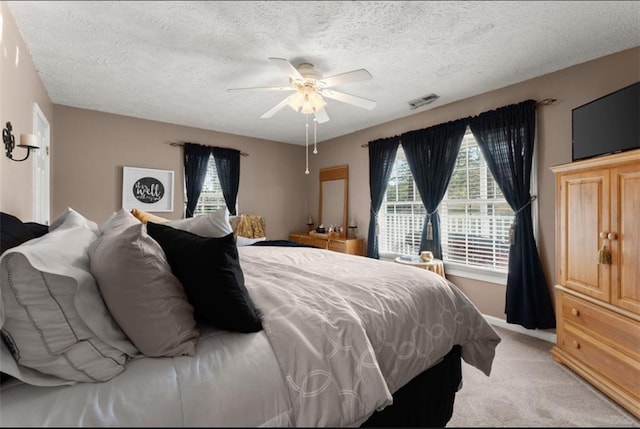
pixel 353 246
pixel 337 246
pixel 318 242
pixel 614 329
pixel 616 366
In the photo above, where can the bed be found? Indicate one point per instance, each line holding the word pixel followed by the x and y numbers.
pixel 343 341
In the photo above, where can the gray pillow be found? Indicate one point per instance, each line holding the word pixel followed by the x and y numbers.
pixel 141 292
pixel 42 325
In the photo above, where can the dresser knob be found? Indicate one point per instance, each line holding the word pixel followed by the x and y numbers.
pixel 575 311
pixel 576 344
pixel 612 236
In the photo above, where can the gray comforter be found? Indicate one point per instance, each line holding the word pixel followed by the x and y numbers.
pixel 349 331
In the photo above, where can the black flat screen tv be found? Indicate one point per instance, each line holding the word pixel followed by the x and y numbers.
pixel 608 124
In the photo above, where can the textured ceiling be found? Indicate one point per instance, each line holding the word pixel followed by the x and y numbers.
pixel 174 61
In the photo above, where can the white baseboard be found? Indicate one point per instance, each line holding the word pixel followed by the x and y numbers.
pixel 543 335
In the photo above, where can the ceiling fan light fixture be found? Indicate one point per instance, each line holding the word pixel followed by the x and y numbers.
pixel 296 101
pixel 310 89
pixel 313 103
pixel 306 101
pixel 316 100
pixel 306 109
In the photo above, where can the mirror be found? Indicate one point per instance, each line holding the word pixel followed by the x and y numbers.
pixel 334 192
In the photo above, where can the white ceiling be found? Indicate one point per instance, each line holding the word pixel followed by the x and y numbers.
pixel 174 61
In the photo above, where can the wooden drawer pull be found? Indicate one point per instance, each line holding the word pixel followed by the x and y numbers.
pixel 576 344
pixel 575 311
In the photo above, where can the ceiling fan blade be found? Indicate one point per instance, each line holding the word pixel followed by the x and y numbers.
pixel 321 116
pixel 275 109
pixel 287 67
pixel 262 88
pixel 348 77
pixel 349 99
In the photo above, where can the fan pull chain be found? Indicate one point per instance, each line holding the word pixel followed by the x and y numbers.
pixel 307 145
pixel 315 134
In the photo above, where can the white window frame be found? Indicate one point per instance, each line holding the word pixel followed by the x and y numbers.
pixel 216 196
pixel 459 269
pixel 476 273
pixel 416 206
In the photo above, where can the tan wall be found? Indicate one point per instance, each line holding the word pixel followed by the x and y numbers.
pixel 20 87
pixel 92 147
pixel 571 87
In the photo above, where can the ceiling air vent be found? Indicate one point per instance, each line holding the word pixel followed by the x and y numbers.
pixel 422 101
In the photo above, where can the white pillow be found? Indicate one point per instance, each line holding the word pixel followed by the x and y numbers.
pixel 215 224
pixel 244 241
pixel 118 222
pixel 44 330
pixel 78 219
pixel 8 365
pixel 143 295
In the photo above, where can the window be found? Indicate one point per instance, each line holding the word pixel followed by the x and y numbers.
pixel 211 197
pixel 402 213
pixel 474 216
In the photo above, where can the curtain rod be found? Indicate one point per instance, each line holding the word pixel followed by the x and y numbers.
pixel 182 144
pixel 543 102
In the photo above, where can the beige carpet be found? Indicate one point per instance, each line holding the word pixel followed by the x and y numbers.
pixel 528 388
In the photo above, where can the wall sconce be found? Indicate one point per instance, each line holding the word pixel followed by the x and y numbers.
pixel 27 141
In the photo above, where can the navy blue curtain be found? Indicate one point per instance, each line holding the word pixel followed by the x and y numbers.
pixel 431 155
pixel 382 155
pixel 228 167
pixel 196 158
pixel 506 139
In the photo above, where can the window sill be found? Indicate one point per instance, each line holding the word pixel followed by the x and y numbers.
pixel 476 274
pixel 463 271
pixel 389 256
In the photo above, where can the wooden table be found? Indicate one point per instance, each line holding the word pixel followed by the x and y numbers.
pixel 435 265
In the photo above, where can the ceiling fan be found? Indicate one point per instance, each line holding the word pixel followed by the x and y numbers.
pixel 310 88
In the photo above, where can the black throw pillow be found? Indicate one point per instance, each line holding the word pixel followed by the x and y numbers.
pixel 14 232
pixel 209 270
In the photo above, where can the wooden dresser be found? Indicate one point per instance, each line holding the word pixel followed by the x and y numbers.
pixel 353 246
pixel 598 303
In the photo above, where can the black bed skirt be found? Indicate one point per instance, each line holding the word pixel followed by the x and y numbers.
pixel 427 400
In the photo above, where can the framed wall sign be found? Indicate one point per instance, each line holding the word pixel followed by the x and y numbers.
pixel 147 189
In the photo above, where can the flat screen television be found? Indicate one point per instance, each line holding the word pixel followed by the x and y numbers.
pixel 608 124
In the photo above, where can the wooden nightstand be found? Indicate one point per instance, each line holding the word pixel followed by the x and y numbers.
pixel 435 265
pixel 352 246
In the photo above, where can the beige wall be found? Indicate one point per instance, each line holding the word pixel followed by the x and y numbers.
pixel 20 87
pixel 571 87
pixel 92 147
